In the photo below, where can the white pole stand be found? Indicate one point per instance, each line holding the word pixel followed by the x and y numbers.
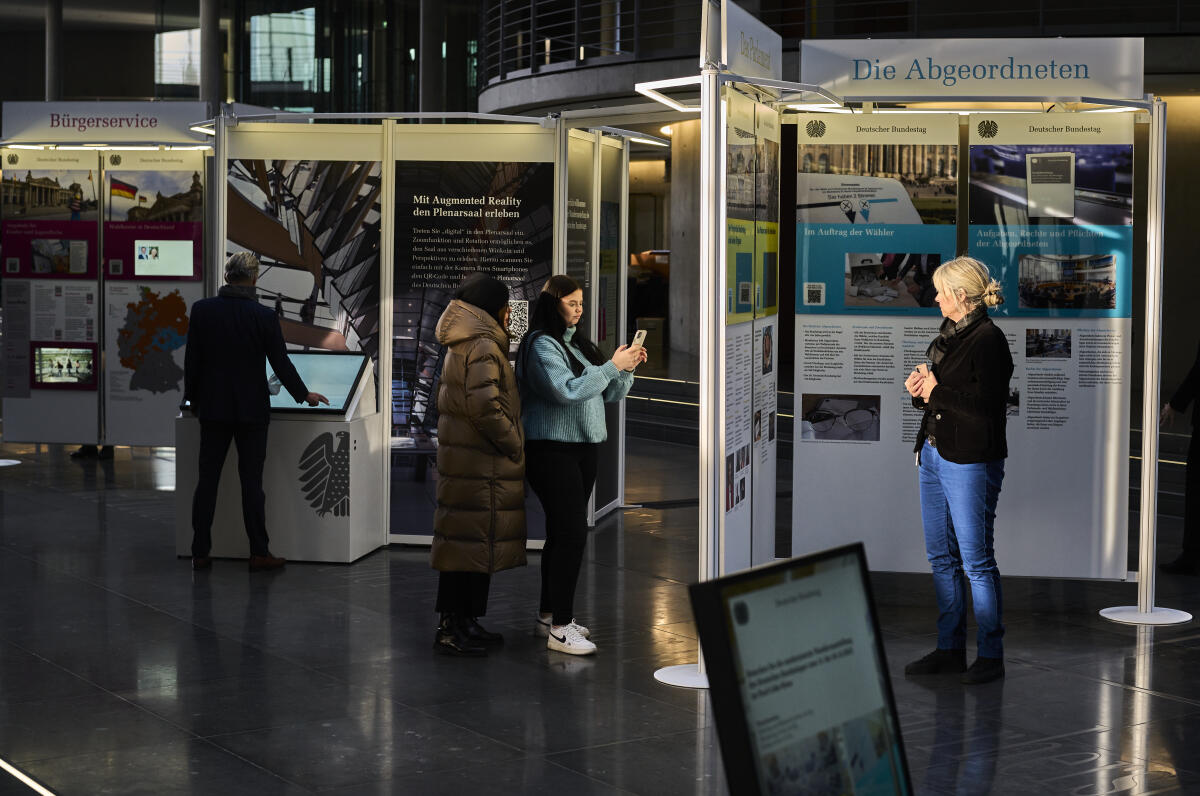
pixel 1145 612
pixel 685 675
pixel 1130 615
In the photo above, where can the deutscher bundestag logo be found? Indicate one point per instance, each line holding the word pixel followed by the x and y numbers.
pixel 13 158
pixel 815 128
pixel 988 129
pixel 325 474
pixel 114 160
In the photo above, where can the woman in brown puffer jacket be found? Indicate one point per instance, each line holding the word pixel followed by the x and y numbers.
pixel 479 525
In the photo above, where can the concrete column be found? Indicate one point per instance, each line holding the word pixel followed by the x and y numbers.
pixel 684 242
pixel 210 55
pixel 54 55
pixel 433 25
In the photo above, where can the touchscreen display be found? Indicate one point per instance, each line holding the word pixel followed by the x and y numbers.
pixel 334 374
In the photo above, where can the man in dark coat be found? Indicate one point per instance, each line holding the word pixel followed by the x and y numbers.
pixel 1188 562
pixel 225 381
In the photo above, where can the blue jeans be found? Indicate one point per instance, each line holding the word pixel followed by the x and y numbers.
pixel 958 509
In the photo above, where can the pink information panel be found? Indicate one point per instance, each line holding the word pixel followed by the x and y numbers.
pixel 153 222
pixel 49 214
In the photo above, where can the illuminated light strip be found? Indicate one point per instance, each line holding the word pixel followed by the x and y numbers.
pixel 25 780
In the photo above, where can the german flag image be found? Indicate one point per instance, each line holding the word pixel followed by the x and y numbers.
pixel 124 189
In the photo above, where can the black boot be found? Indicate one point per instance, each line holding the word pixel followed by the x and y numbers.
pixel 984 670
pixel 451 639
pixel 480 634
pixel 939 661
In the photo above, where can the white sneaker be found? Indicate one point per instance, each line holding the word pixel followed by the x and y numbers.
pixel 542 628
pixel 567 639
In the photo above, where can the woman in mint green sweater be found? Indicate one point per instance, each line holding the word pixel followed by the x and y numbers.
pixel 565 382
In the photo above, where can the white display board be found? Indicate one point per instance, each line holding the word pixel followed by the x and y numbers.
pixel 865 316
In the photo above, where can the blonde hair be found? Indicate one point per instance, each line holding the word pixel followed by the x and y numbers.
pixel 972 278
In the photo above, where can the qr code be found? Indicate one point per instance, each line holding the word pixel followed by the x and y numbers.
pixel 814 294
pixel 116 267
pixel 518 320
pixel 12 265
pixel 744 292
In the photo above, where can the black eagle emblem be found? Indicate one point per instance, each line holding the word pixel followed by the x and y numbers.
pixel 325 474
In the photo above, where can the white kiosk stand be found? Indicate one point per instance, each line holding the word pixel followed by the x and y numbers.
pixel 323 476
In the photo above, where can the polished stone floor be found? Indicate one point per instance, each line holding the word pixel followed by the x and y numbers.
pixel 122 672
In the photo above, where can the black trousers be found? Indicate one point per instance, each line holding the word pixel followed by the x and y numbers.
pixel 562 475
pixel 1191 499
pixel 464 593
pixel 251 440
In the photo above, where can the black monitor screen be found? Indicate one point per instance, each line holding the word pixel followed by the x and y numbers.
pixel 799 679
pixel 333 374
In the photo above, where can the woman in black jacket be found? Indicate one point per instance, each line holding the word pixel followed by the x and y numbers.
pixel 960 450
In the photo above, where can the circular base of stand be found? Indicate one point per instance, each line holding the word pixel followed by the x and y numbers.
pixel 687 675
pixel 1130 615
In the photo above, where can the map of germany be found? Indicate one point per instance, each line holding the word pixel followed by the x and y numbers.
pixel 155 327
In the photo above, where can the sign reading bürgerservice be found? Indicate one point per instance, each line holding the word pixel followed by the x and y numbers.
pixel 103 122
pixel 947 68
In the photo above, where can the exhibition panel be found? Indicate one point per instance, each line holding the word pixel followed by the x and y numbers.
pixel 1050 208
pixel 456 213
pixel 751 266
pixel 101 223
pixel 153 256
pixel 876 204
pixel 1050 212
pixel 49 224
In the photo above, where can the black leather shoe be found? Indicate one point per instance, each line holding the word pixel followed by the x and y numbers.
pixel 939 661
pixel 85 452
pixel 264 563
pixel 1184 564
pixel 201 562
pixel 451 640
pixel 479 634
pixel 984 670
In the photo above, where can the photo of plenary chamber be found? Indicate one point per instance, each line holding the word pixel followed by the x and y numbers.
pixel 828 417
pixel 908 184
pixel 1068 281
pixel 1048 343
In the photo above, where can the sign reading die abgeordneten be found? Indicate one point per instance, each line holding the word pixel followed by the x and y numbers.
pixel 1109 68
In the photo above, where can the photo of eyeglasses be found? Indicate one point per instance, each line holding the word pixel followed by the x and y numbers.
pixel 855 419
pixel 832 418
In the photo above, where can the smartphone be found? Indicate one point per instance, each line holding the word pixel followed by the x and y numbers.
pixel 639 337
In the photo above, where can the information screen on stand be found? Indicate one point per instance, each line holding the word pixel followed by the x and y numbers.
pixel 334 374
pixel 799 679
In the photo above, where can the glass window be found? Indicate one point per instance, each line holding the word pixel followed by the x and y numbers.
pixel 283 49
pixel 177 57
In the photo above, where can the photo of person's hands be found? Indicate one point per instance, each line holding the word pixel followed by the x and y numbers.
pixel 314 398
pixel 928 382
